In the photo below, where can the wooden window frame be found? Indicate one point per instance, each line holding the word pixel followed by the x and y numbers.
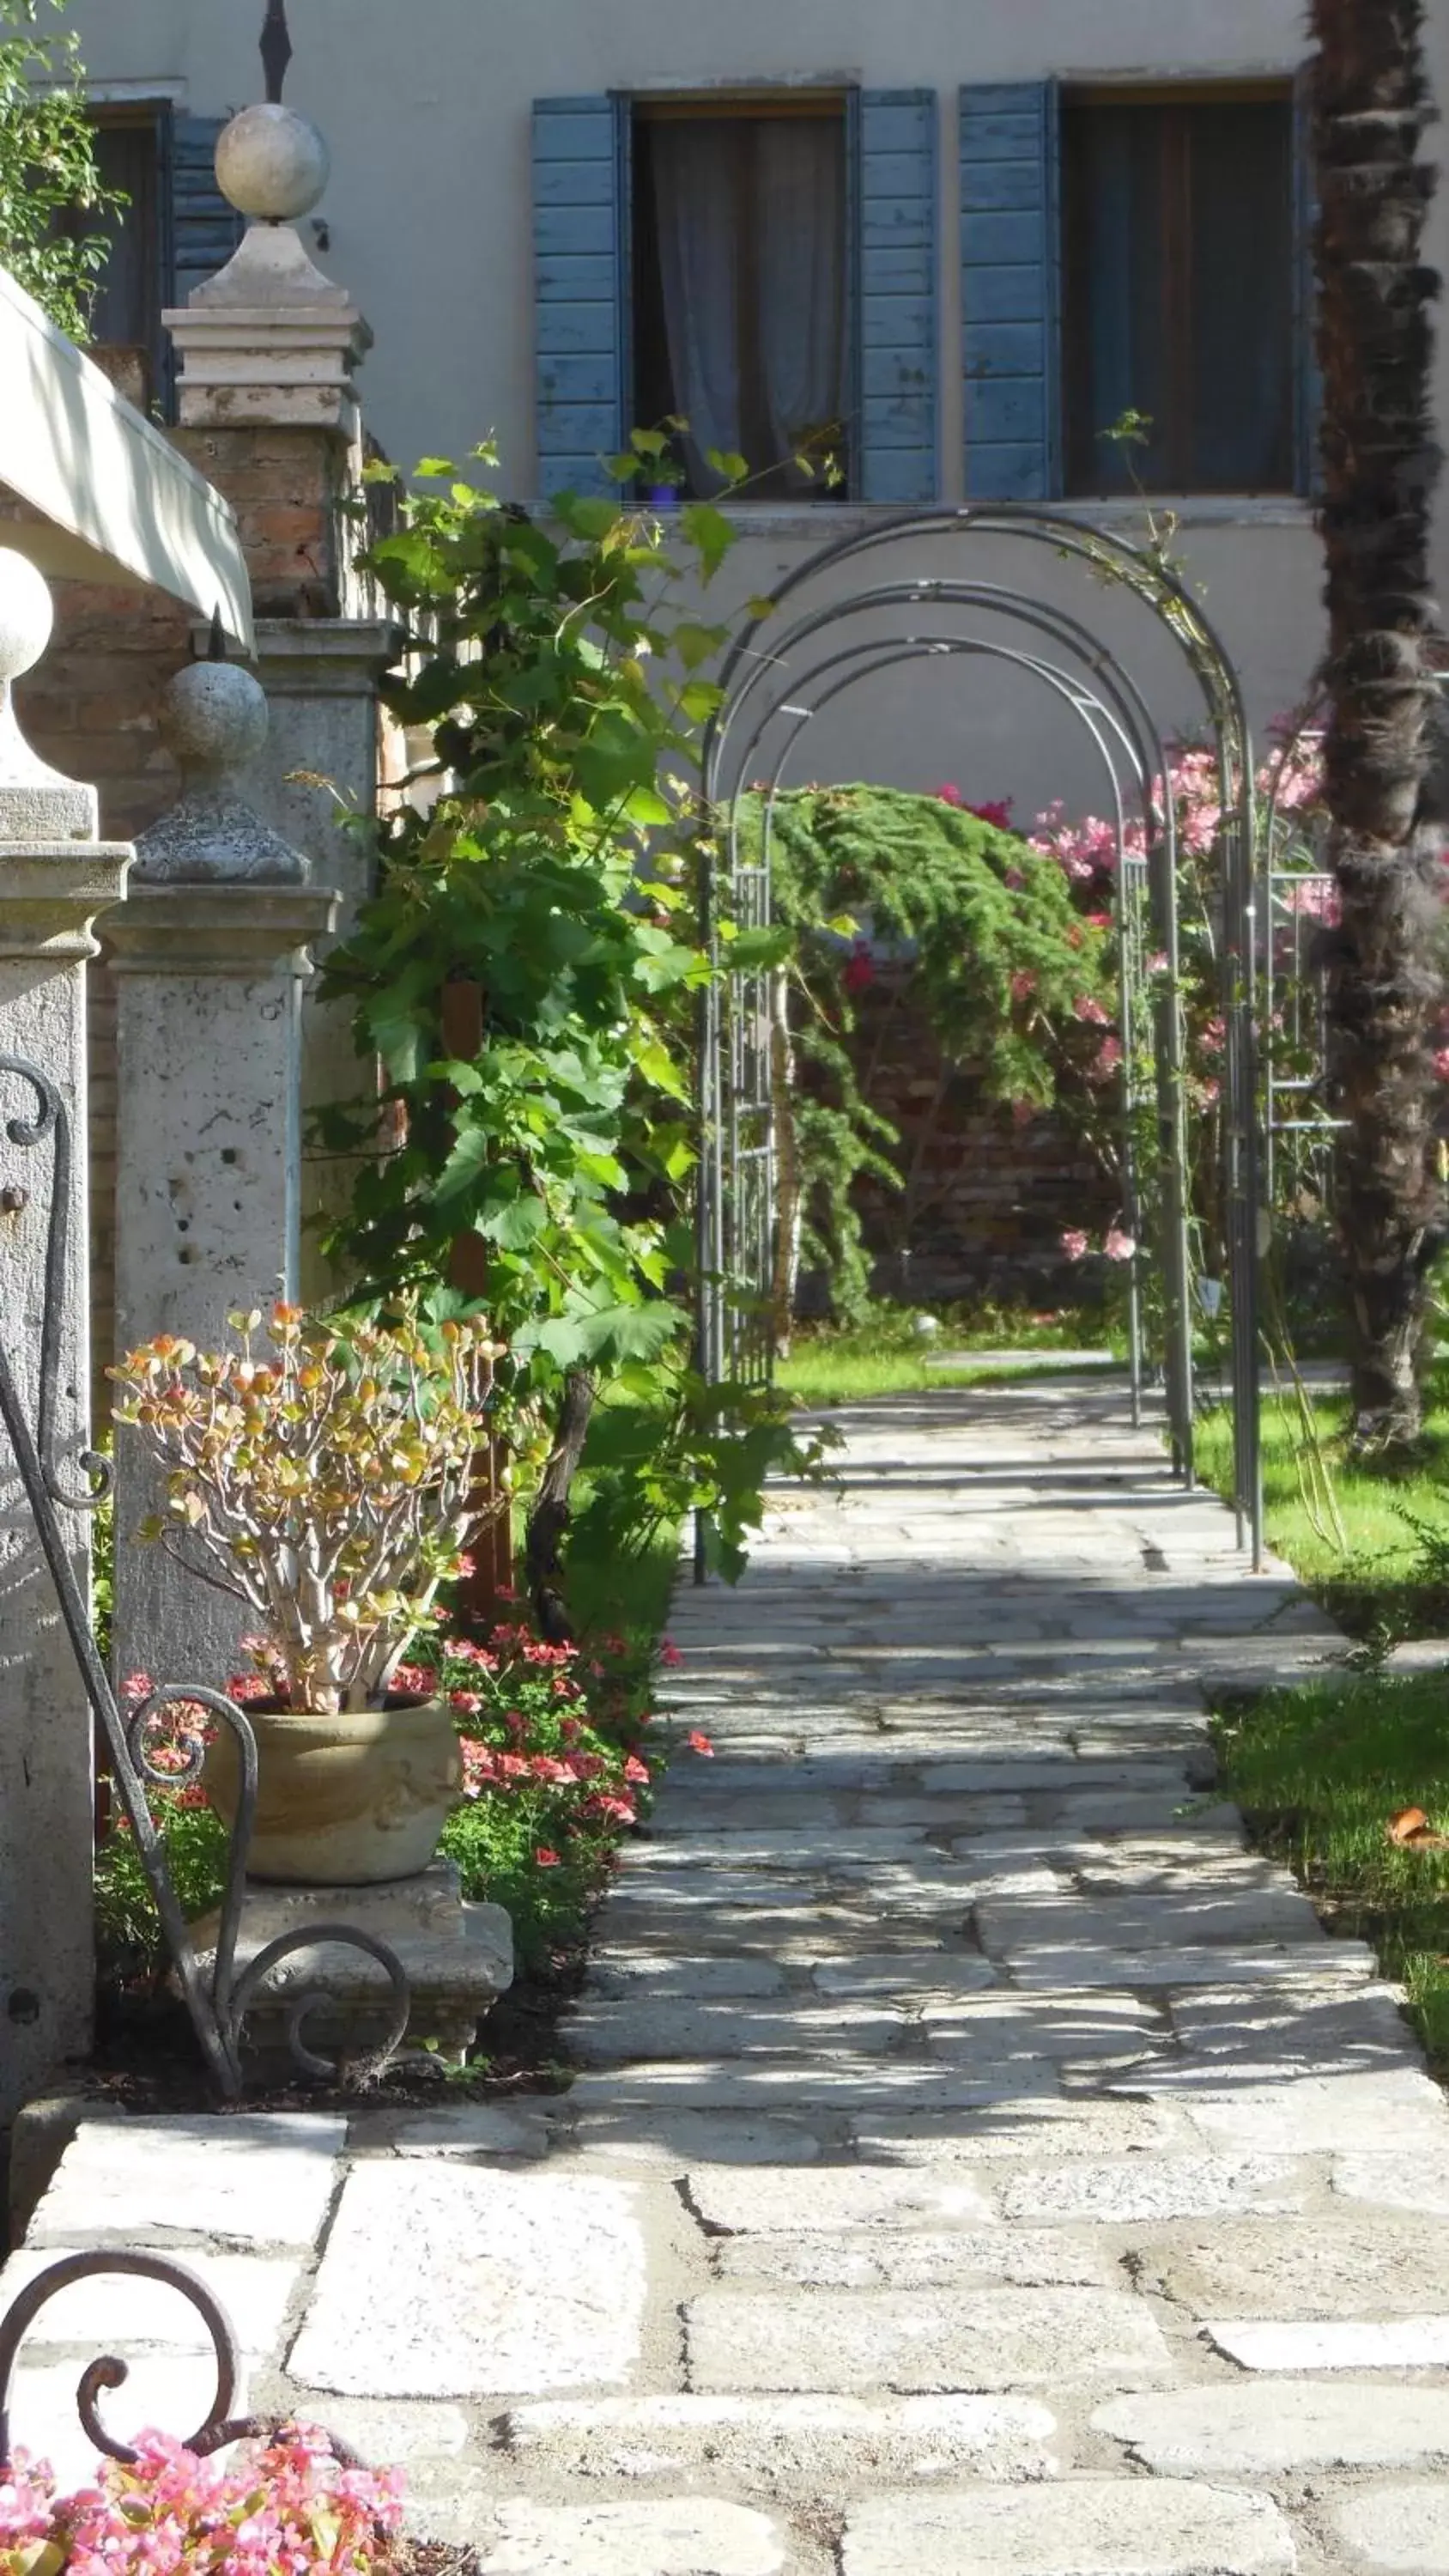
pixel 753 106
pixel 1173 101
pixel 154 118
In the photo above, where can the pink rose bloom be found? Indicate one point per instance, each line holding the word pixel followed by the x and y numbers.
pixel 1075 1244
pixel 1117 1245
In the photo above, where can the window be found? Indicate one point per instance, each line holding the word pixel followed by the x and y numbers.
pixel 134 284
pixel 175 230
pixel 739 284
pixel 764 267
pixel 1178 292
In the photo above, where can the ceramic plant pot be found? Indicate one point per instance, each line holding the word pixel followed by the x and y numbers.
pixel 349 1799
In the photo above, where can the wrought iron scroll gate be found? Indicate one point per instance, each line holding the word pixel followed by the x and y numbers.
pixel 217 1996
pixel 826 630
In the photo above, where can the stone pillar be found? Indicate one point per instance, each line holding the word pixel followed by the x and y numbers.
pixel 55 876
pixel 210 959
pixel 268 351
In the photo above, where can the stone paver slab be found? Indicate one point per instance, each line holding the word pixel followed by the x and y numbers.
pixel 396 2430
pixel 1180 1920
pixel 912 1973
pixel 737 2201
pixel 447 2280
pixel 833 2445
pixel 881 2259
pixel 638 1973
pixel 1393 2181
pixel 1044 2131
pixel 249 2178
pixel 1089 2527
pixel 1061 1964
pixel 1148 2187
pixel 1340 2343
pixel 1323 2114
pixel 1302 2034
pixel 166 2389
pixel 1239 2429
pixel 656 2028
pixel 1348 2265
pixel 688 2536
pixel 855 2340
pixel 1005 2024
pixel 836 2085
pixel 1399 2530
pixel 474 2129
pixel 675 2140
pixel 113 2310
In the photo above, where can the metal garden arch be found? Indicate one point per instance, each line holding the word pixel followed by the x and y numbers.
pixel 780 673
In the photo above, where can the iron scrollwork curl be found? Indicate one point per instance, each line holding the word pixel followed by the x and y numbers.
pixel 216 1999
pixel 234 1995
pixel 218 2427
pixel 52 1120
pixel 108 2371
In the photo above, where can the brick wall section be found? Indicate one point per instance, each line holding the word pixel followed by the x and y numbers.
pixel 90 706
pixel 988 1195
pixel 287 491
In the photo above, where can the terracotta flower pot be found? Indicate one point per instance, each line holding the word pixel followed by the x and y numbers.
pixel 344 1800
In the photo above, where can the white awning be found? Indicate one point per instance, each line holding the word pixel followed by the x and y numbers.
pixel 118 504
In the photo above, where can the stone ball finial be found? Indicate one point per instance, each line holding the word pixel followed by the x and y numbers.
pixel 27 614
pixel 213 720
pixel 272 164
pixel 213 716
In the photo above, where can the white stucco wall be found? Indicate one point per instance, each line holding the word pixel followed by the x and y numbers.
pixel 426 105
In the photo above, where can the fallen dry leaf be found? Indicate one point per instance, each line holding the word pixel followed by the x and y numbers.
pixel 1412 1831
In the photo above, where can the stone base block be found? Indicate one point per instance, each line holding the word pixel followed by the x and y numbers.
pixel 458 1958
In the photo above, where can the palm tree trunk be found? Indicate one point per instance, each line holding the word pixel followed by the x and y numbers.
pixel 1379 465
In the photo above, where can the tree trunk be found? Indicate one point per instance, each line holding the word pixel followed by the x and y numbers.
pixel 1379 467
pixel 549 1519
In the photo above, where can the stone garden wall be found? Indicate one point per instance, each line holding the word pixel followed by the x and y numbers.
pixel 91 708
pixel 988 1192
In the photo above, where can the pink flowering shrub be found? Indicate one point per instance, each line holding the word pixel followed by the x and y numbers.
pixel 554 1773
pixel 283 2507
pixel 1116 1244
pixel 1288 792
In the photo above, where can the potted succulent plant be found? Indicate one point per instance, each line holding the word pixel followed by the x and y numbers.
pixel 323 1472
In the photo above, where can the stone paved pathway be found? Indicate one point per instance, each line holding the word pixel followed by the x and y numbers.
pixel 980 2163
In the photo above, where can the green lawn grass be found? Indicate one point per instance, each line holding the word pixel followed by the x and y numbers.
pixel 888 1355
pixel 1373 1571
pixel 1319 1770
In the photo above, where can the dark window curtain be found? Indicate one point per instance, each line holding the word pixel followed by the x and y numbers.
pixel 1243 299
pixel 125 313
pixel 740 295
pixel 1178 266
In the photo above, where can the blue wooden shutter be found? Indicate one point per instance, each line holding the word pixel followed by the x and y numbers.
pixel 1308 379
pixel 1010 259
pixel 897 338
pixel 580 228
pixel 205 230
